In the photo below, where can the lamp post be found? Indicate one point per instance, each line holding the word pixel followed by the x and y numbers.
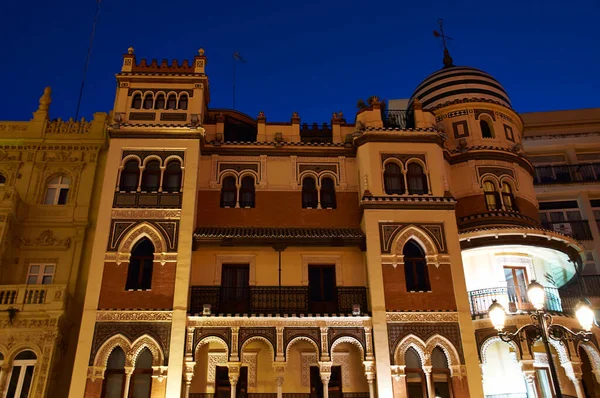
pixel 541 326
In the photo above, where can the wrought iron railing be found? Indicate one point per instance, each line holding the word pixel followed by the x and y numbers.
pixel 397 119
pixel 575 288
pixel 579 229
pixel 513 298
pixel 316 133
pixel 567 174
pixel 273 300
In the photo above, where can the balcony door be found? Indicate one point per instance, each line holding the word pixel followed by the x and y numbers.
pixel 322 289
pixel 234 288
pixel 516 284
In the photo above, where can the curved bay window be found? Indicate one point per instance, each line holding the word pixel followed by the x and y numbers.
pixel 148 101
pixel 416 179
pixel 130 176
pixel 508 199
pixel 172 102
pixel 172 177
pixel 21 375
pixel 247 193
pixel 114 375
pixel 328 193
pixel 486 129
pixel 228 192
pixel 141 379
pixel 491 196
pixel 415 268
pixel 139 273
pixel 183 102
pixel 151 176
pixel 416 387
pixel 310 195
pixel 136 102
pixel 440 373
pixel 160 102
pixel 393 179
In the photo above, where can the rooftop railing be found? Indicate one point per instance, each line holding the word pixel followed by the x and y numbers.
pixel 579 229
pixel 567 174
pixel 316 133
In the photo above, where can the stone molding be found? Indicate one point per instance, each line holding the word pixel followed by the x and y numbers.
pixel 146 214
pixel 402 317
pixel 350 321
pixel 134 316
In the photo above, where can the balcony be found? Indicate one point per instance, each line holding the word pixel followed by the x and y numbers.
pixel 514 299
pixel 274 300
pixel 398 119
pixel 579 229
pixel 567 174
pixel 33 297
pixel 170 200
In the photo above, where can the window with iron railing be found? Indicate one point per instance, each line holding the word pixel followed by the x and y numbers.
pixel 567 174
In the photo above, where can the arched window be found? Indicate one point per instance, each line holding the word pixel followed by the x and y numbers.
pixel 507 197
pixel 151 176
pixel 491 196
pixel 393 179
pixel 114 376
pixel 183 102
pixel 2 179
pixel 416 178
pixel 310 195
pixel 228 192
pixel 148 101
pixel 57 191
pixel 440 373
pixel 415 377
pixel 136 102
pixel 141 379
pixel 172 178
pixel 486 129
pixel 130 176
pixel 172 102
pixel 247 192
pixel 139 273
pixel 160 102
pixel 415 268
pixel 21 375
pixel 328 193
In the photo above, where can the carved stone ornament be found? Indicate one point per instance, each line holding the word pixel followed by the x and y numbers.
pixel 332 321
pixel 134 316
pixel 45 240
pixel 146 214
pixel 435 317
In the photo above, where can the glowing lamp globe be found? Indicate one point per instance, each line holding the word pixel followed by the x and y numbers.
pixel 536 295
pixel 584 315
pixel 497 315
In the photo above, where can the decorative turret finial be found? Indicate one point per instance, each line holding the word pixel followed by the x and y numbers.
pixel 201 52
pixel 130 51
pixel 45 100
pixel 447 58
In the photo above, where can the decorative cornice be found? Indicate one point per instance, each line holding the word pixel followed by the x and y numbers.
pixel 489 153
pixel 409 202
pixel 134 316
pixel 262 321
pixel 425 135
pixel 144 214
pixel 402 317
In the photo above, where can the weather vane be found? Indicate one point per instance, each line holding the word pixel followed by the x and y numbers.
pixel 447 58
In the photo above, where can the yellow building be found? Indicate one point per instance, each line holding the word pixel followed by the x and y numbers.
pixel 48 171
pixel 238 257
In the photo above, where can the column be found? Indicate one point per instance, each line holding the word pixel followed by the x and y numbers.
pixel 234 375
pixel 370 374
pixel 324 345
pixel 128 372
pixel 429 381
pixel 325 372
pixel 279 369
pixel 369 344
pixel 188 376
pixel 574 373
pixel 279 382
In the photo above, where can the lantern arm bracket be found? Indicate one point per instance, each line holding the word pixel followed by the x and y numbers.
pixel 562 333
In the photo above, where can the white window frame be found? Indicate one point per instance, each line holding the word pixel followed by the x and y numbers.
pixel 23 363
pixel 58 188
pixel 41 274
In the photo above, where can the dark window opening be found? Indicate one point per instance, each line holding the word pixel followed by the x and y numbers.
pixel 310 195
pixel 183 102
pixel 130 176
pixel 507 197
pixel 114 375
pixel 160 102
pixel 2 179
pixel 393 179
pixel 172 102
pixel 139 273
pixel 151 176
pixel 141 378
pixel 136 103
pixel 63 196
pixel 234 288
pixel 415 268
pixel 491 196
pixel 415 377
pixel 228 192
pixel 148 101
pixel 247 193
pixel 322 288
pixel 486 129
pixel 417 180
pixel 328 194
pixel 172 178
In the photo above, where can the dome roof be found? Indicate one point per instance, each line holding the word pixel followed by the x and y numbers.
pixel 458 83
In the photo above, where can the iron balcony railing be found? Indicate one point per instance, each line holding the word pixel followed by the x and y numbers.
pixel 274 300
pixel 513 298
pixel 567 174
pixel 583 285
pixel 397 119
pixel 579 229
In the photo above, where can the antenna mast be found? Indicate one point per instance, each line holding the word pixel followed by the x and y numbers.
pixel 87 59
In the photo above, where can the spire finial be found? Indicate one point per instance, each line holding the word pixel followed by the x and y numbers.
pixel 447 58
pixel 45 100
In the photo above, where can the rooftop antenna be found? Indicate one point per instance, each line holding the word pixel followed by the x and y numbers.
pixel 236 57
pixel 87 59
pixel 447 58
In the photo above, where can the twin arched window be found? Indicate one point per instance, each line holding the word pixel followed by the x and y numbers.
pixel 139 273
pixel 395 181
pixel 140 384
pixel 493 199
pixel 416 381
pixel 415 268
pixel 229 192
pixel 57 190
pixel 314 197
pixel 151 177
pixel 158 102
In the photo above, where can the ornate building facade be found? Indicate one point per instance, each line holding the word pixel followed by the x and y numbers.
pixel 235 256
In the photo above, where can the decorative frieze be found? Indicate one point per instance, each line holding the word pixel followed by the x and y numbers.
pixel 339 321
pixel 134 316
pixel 146 214
pixel 433 317
pixel 46 240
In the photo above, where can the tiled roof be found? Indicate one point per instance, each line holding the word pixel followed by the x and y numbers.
pixel 277 233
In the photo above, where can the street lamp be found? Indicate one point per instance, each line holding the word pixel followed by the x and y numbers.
pixel 541 326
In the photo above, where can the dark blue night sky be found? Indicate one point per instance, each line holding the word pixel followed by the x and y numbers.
pixel 313 57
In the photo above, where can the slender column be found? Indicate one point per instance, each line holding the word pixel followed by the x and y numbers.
pixel 233 382
pixel 128 372
pixel 324 345
pixel 429 381
pixel 188 376
pixel 574 373
pixel 528 371
pixel 279 382
pixel 325 379
pixel 279 369
pixel 369 343
pixel 237 196
pixel 325 372
pixel 234 375
pixel 234 356
pixel 370 374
